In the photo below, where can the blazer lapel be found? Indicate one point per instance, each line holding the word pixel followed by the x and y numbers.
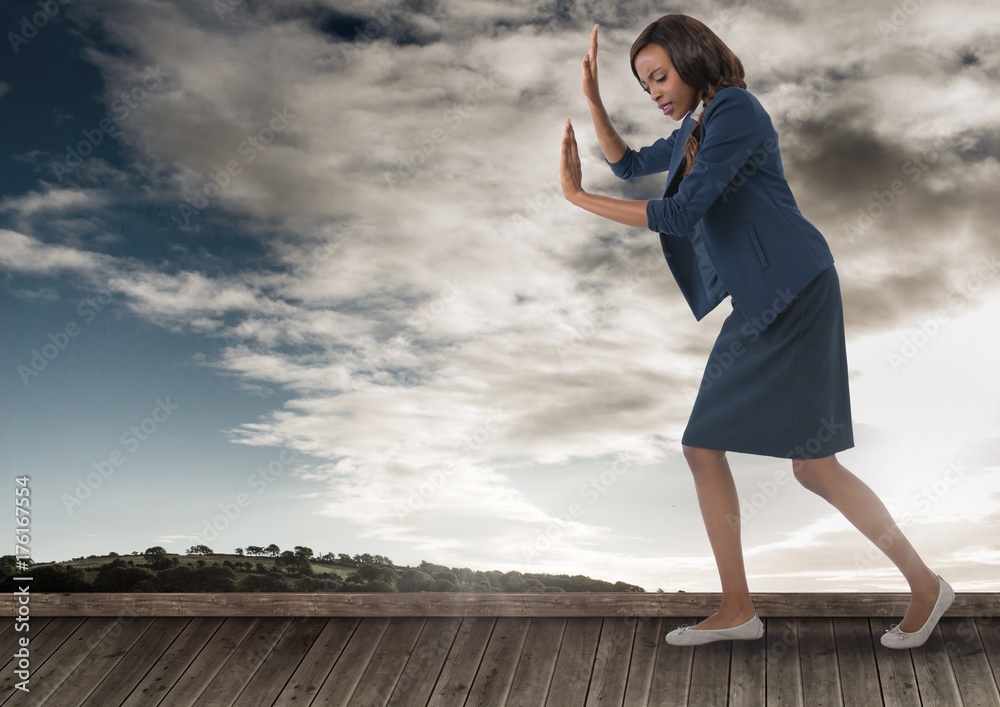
pixel 686 255
pixel 677 156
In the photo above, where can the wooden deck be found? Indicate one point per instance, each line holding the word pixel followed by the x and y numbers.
pixel 173 656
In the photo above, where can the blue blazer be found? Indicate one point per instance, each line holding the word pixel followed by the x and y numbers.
pixel 731 226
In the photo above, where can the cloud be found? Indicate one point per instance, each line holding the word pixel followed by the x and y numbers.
pixel 169 540
pixel 415 272
pixel 26 254
pixel 946 521
pixel 42 294
pixel 52 199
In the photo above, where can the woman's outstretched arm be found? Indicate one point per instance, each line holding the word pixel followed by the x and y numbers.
pixel 631 213
pixel 612 144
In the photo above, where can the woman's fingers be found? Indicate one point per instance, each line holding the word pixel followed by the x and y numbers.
pixel 590 66
pixel 569 140
pixel 593 49
pixel 569 169
pixel 569 144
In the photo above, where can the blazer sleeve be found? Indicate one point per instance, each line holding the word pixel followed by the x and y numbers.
pixel 646 160
pixel 730 135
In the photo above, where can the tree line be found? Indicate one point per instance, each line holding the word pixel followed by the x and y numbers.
pixel 284 571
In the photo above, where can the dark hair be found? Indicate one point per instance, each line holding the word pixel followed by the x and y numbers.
pixel 701 59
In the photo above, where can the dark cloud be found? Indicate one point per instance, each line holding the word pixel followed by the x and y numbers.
pixel 387 22
pixel 610 256
pixel 883 200
pixel 838 155
pixel 969 58
pixel 536 97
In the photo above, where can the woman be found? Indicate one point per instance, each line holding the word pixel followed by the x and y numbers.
pixel 777 382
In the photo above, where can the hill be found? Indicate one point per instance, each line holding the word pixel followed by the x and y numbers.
pixel 259 569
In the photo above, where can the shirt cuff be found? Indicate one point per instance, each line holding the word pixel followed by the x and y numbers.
pixel 620 162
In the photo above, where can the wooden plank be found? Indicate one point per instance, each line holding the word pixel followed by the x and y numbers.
pixel 970 663
pixel 207 663
pixel 48 678
pixel 133 666
pixel 935 675
pixel 783 672
pixel 856 658
pixel 317 663
pixel 422 670
pixel 386 665
pixel 818 662
pixel 10 639
pixel 575 662
pixel 748 670
pixel 563 604
pixel 672 671
pixel 112 642
pixel 274 674
pixel 614 651
pixel 957 666
pixel 710 673
pixel 238 670
pixel 897 679
pixel 640 671
pixel 171 664
pixel 538 661
pixel 496 671
pixel 343 679
pixel 989 634
pixel 44 640
pixel 463 660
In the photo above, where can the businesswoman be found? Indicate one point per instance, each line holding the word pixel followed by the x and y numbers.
pixel 776 383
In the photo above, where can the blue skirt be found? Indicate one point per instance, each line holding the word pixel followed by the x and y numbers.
pixel 782 392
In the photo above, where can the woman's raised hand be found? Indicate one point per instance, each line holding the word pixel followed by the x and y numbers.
pixel 570 170
pixel 590 89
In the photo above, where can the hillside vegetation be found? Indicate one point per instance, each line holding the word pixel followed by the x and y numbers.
pixel 269 569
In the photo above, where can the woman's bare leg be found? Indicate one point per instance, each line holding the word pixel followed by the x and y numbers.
pixel 859 504
pixel 720 509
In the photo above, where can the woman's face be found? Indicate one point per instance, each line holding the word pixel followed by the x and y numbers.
pixel 662 82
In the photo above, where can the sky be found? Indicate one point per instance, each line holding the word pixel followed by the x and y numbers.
pixel 302 273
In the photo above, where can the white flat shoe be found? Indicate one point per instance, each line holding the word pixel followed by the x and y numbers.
pixel 685 636
pixel 894 638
